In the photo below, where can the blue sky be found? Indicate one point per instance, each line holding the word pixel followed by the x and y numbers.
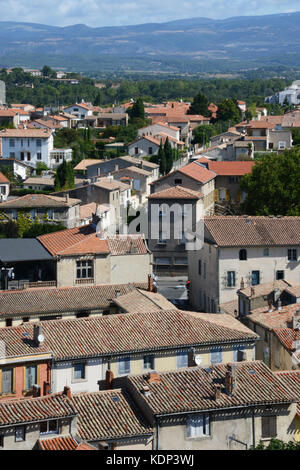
pixel 128 12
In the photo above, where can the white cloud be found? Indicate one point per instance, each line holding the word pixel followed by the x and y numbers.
pixel 123 12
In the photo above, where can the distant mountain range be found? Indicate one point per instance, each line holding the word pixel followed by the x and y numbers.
pixel 231 43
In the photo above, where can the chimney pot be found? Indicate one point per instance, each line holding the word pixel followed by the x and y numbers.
pixel 153 377
pixel 109 377
pixel 67 391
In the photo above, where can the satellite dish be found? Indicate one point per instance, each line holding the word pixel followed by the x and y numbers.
pixel 41 338
pixel 198 359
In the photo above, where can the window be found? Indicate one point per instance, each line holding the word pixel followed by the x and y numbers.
pixel 150 151
pixel 79 371
pixel 7 381
pixel 281 145
pixel 266 252
pixel 136 150
pixel 268 425
pixel 216 355
pixel 238 353
pixel 230 278
pixel 149 362
pixel 28 156
pixel 1 440
pixel 8 322
pixel 279 275
pixel 49 427
pixel 204 270
pixel 20 434
pixel 255 278
pixel 84 269
pixel 3 190
pixel 178 181
pixel 30 377
pixel 22 156
pixel 182 359
pixel 181 261
pixel 292 254
pixel 124 366
pixel 243 255
pixel 12 154
pixel 199 267
pixel 11 142
pixel 162 240
pixel 39 156
pixel 38 143
pixel 198 426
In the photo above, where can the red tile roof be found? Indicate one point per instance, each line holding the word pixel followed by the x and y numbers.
pixel 254 230
pixel 3 178
pixel 108 414
pixel 192 389
pixel 235 168
pixel 21 411
pixel 197 172
pixel 63 443
pixel 125 333
pixel 291 380
pixel 176 192
pixel 26 133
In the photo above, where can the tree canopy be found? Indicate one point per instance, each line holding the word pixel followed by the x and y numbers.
pixel 273 186
pixel 229 111
pixel 64 178
pixel 200 105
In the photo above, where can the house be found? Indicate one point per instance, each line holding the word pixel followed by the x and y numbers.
pixel 79 110
pixel 103 168
pixel 103 120
pixel 88 352
pixel 227 180
pixel 193 176
pixel 171 213
pixel 81 167
pixel 24 423
pixel 149 145
pixel 4 187
pixel 224 407
pixel 289 95
pixel 9 117
pixel 19 169
pixel 245 251
pixel 160 128
pixel 42 303
pixel 291 380
pixel 45 208
pixel 40 183
pixel 83 256
pixel 265 135
pixel 30 146
pixel 278 328
pixel 111 420
pixel 139 179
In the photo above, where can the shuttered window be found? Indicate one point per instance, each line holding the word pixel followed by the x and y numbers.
pixel 198 426
pixel 7 381
pixel 124 366
pixel 31 377
pixel 269 428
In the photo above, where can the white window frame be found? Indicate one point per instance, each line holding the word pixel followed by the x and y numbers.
pixel 124 365
pixel 198 426
pixel 182 359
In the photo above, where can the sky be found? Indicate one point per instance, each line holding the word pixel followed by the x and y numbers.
pixel 128 12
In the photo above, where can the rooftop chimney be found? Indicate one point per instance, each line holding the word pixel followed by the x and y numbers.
pixel 230 379
pixel 217 391
pixel 99 171
pixel 36 390
pixel 270 306
pixel 38 335
pixel 153 377
pixel 116 167
pixel 67 198
pixel 67 391
pixel 109 377
pixel 279 305
pixel 296 320
pixel 146 390
pixel 242 286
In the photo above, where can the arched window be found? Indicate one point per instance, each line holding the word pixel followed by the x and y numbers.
pixel 243 255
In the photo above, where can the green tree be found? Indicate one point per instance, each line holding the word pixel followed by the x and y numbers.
pixel 48 72
pixel 24 223
pixel 40 167
pixel 161 159
pixel 168 153
pixel 200 105
pixel 64 178
pixel 229 111
pixel 277 444
pixel 202 134
pixel 273 186
pixel 137 111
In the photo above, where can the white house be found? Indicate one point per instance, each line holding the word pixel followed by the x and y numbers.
pixel 241 252
pixel 30 146
pixel 160 128
pixel 81 110
pixel 4 187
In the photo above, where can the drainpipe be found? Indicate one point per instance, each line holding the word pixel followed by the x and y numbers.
pixel 253 429
pixel 157 435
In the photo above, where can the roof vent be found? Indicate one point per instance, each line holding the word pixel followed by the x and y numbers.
pixel 146 390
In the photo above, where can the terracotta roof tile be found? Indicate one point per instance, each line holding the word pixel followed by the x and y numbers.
pixel 86 162
pixel 192 389
pixel 176 192
pixel 26 133
pixel 222 168
pixel 39 200
pixel 125 333
pixel 197 172
pixel 253 230
pixel 3 178
pixel 108 415
pixel 63 443
pixel 35 409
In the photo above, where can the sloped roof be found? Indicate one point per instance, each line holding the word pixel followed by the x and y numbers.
pixel 176 192
pixel 62 299
pixel 87 162
pixel 26 133
pixel 222 168
pixel 3 179
pixel 197 172
pixel 22 249
pixel 124 333
pixel 254 230
pixel 192 389
pixel 140 300
pixel 63 443
pixel 35 409
pixel 38 200
pixel 109 414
